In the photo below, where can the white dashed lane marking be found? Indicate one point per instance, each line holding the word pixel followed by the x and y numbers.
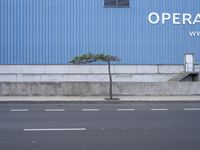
pixel 125 109
pixel 158 109
pixel 19 110
pixel 192 109
pixel 57 129
pixel 94 109
pixel 90 109
pixel 54 110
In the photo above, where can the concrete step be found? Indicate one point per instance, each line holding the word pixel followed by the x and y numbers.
pixel 185 76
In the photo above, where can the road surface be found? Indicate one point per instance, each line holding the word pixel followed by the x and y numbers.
pixel 131 126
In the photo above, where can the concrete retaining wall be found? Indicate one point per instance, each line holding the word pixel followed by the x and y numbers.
pixel 87 73
pixel 88 69
pixel 97 88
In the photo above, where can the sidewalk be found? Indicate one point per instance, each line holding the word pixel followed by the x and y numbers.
pixel 98 98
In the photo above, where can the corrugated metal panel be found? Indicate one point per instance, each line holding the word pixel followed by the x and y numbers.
pixel 54 31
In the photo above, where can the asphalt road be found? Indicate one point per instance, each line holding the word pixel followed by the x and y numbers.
pixel 133 126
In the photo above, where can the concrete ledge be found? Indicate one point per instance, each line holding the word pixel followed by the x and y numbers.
pixel 84 77
pixel 99 89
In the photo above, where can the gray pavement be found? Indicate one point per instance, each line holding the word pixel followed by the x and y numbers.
pixel 130 126
pixel 95 98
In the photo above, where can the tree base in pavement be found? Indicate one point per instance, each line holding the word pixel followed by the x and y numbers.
pixel 113 99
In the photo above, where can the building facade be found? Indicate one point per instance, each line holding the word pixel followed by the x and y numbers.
pixel 38 38
pixel 139 32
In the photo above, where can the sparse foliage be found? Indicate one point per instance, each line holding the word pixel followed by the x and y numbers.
pixel 90 58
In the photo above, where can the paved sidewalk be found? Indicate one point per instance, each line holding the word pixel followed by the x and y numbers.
pixel 95 98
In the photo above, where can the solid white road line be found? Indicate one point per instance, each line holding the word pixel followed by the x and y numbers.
pixel 54 110
pixel 90 109
pixel 192 109
pixel 125 109
pixel 18 110
pixel 159 109
pixel 57 129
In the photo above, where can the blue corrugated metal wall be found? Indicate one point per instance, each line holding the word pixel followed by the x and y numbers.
pixel 54 31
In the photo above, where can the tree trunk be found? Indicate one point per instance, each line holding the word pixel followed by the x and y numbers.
pixel 110 81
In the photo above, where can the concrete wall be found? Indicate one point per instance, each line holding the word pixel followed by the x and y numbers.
pixel 97 88
pixel 87 73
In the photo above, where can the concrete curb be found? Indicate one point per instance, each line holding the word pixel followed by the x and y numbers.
pixel 93 99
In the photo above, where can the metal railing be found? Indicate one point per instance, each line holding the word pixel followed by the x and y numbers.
pixel 197 67
pixel 192 67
